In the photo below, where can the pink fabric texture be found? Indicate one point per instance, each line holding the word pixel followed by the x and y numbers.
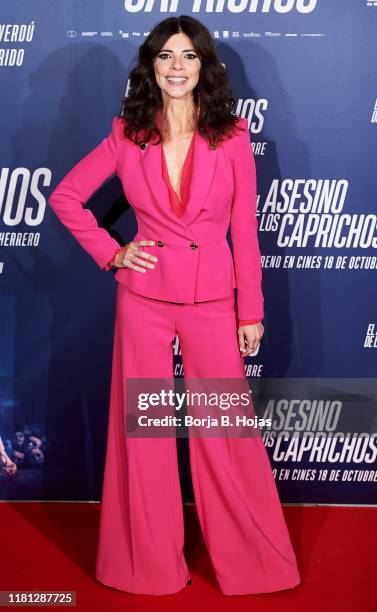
pixel 189 293
pixel 178 205
pixel 141 536
pixel 222 194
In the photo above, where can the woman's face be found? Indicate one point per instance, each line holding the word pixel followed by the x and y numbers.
pixel 177 67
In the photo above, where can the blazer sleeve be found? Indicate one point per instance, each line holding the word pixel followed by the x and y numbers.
pixel 72 193
pixel 244 228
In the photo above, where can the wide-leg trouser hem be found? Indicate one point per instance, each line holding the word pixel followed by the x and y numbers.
pixel 270 589
pixel 141 528
pixel 108 580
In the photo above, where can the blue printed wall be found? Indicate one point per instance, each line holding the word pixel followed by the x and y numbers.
pixel 301 74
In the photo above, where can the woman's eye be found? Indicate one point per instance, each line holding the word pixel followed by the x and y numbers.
pixel 166 55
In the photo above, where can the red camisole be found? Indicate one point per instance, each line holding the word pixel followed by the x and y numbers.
pixel 178 206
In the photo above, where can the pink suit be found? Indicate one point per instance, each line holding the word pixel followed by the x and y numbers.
pixel 189 293
pixel 222 192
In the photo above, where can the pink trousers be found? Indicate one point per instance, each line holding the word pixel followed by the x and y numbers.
pixel 141 527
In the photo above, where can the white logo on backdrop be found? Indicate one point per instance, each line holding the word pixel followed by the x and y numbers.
pixel 374 113
pixel 370 340
pixel 15 33
pixel 220 6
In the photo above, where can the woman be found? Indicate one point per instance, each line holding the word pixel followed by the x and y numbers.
pixel 187 169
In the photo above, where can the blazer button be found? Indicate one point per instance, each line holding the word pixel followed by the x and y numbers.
pixel 160 243
pixel 194 245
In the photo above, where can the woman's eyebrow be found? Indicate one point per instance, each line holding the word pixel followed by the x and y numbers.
pixel 183 50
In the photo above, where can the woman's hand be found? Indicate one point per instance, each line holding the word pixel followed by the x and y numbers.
pixel 249 336
pixel 130 256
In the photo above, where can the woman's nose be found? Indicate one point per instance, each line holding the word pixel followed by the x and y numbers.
pixel 176 64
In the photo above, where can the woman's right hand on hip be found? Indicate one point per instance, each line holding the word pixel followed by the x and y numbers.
pixel 132 257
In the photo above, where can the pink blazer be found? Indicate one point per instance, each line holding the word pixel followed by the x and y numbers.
pixel 195 262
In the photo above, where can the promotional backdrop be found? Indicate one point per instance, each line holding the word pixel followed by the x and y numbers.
pixel 301 73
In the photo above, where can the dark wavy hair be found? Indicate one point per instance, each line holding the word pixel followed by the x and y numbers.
pixel 216 122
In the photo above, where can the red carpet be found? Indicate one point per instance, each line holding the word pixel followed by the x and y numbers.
pixel 52 546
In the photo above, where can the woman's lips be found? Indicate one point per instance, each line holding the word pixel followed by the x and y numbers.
pixel 172 81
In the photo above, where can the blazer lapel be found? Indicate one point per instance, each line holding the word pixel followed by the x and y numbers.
pixel 151 162
pixel 203 170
